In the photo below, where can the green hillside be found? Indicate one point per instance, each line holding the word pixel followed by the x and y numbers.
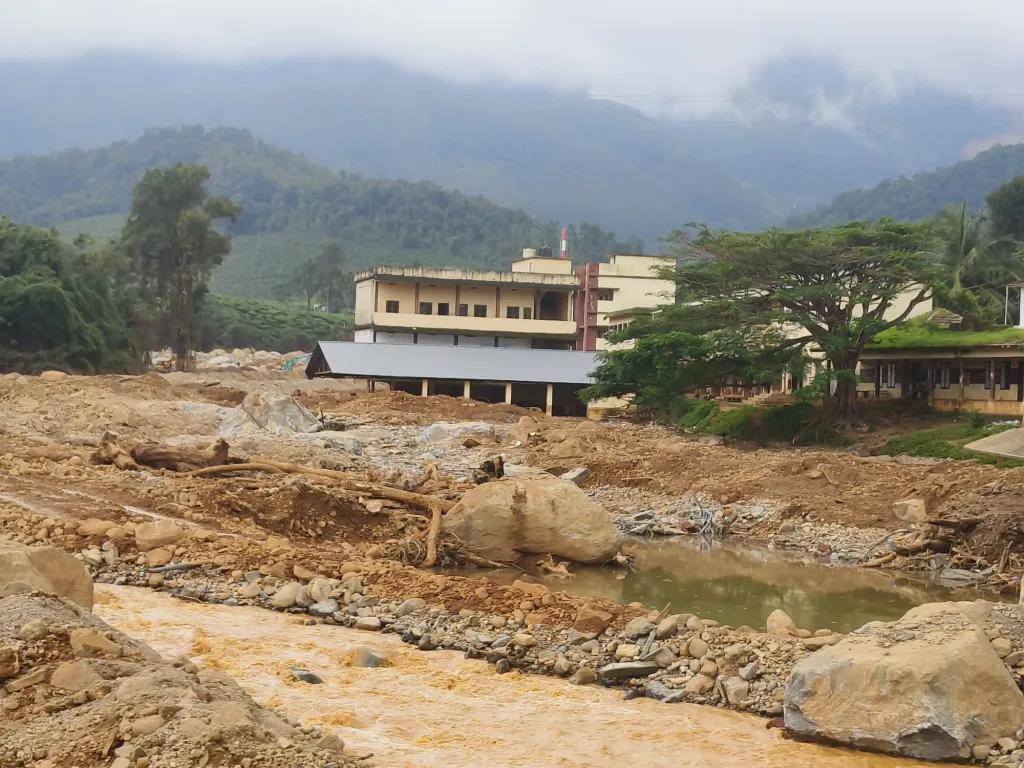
pixel 920 196
pixel 291 207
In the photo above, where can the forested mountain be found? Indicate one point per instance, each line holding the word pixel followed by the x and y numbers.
pixel 802 131
pixel 558 156
pixel 920 196
pixel 291 207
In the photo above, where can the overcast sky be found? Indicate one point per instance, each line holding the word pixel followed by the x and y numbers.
pixel 693 54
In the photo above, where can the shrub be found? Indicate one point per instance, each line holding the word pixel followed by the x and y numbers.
pixel 738 423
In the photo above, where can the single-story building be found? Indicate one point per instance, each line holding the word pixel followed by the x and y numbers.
pixel 951 368
pixel 531 378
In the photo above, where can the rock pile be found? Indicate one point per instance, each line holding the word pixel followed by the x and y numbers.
pixel 73 691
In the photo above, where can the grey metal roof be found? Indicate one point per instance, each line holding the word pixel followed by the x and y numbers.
pixel 465 363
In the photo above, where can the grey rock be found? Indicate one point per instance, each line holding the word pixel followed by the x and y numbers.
pixel 628 669
pixel 751 671
pixel 736 689
pixel 638 626
pixel 583 676
pixel 577 476
pixel 563 667
pixel 369 623
pixel 411 605
pixel 661 692
pixel 502 666
pixel 426 642
pixel 575 637
pixel 591 646
pixel 324 608
pixel 304 676
pixel 365 656
pixel 663 657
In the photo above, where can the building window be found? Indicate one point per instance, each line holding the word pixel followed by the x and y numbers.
pixel 426 308
pixel 605 295
pixel 978 376
pixel 479 310
pixel 527 313
pixel 391 306
pixel 442 308
pixel 512 313
pixel 1004 375
pixel 890 375
pixel 944 376
pixel 462 310
pixel 867 375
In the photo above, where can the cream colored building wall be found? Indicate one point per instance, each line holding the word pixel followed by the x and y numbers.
pixel 437 294
pixel 626 265
pixel 403 293
pixel 543 266
pixel 364 302
pixel 516 297
pixel 472 294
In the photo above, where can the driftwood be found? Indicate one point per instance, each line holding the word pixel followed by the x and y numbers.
pixel 432 532
pixel 962 524
pixel 111 452
pixel 244 467
pixel 347 480
pixel 180 459
pixel 879 561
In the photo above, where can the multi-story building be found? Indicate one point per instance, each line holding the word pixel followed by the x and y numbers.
pixel 535 305
pixel 612 294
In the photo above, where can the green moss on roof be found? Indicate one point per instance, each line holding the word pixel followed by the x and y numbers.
pixel 917 334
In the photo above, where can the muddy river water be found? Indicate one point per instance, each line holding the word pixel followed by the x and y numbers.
pixel 738 586
pixel 437 709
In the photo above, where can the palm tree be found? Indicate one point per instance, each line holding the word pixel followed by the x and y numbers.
pixel 968 247
pixel 980 264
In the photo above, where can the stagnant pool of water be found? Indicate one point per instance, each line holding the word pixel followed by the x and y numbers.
pixel 738 586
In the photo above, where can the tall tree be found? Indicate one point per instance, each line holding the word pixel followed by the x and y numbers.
pixel 783 294
pixel 173 239
pixel 979 262
pixel 1006 209
pixel 334 278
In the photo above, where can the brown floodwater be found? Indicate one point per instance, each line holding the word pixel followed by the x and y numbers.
pixel 740 585
pixel 438 710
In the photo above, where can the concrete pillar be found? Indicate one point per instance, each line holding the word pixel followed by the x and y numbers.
pixel 465 390
pixel 508 393
pixel 425 389
pixel 550 399
pixel 995 379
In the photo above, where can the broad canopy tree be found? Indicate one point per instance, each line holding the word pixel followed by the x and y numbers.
pixel 749 304
pixel 174 243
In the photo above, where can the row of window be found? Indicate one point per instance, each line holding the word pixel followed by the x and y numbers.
pixel 888 377
pixel 462 310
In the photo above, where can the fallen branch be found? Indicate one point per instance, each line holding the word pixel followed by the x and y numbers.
pixel 247 467
pixel 435 528
pixel 879 561
pixel 962 524
pixel 176 567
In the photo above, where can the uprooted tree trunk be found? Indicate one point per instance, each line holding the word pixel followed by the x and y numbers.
pixel 181 459
pixel 159 456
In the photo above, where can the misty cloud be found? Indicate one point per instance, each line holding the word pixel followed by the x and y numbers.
pixel 681 57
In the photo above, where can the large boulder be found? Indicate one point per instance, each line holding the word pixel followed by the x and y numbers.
pixel 929 686
pixel 443 430
pixel 46 569
pixel 157 534
pixel 533 515
pixel 262 412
